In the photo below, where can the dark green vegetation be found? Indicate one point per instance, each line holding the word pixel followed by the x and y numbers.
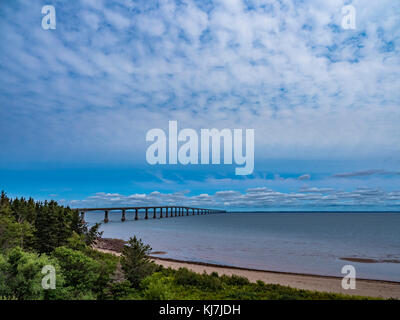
pixel 38 234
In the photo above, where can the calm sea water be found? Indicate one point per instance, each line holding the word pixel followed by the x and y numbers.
pixel 292 242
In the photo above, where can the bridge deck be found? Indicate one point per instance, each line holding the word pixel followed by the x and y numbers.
pixel 175 211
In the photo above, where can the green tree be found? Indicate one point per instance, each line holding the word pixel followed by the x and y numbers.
pixel 52 226
pixel 13 233
pixel 135 261
pixel 92 234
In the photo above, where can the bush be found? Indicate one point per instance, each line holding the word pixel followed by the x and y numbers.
pixel 81 272
pixel 184 277
pixel 119 290
pixel 235 280
pixel 21 276
pixel 158 287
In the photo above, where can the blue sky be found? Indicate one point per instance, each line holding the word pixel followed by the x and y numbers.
pixel 76 102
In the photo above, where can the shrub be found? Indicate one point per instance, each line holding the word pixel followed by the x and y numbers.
pixel 235 280
pixel 158 287
pixel 119 290
pixel 21 277
pixel 81 272
pixel 185 277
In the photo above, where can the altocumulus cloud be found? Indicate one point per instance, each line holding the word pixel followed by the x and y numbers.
pixel 91 88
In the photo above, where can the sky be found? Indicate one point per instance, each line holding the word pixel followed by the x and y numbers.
pixel 77 101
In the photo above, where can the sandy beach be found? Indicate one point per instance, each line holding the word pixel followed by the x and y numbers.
pixel 368 288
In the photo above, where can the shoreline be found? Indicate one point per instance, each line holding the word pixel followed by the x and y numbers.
pixel 364 287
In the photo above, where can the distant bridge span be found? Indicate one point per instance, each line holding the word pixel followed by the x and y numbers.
pixel 174 211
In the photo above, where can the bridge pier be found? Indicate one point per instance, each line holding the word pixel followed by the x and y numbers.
pixel 136 214
pixel 154 213
pixel 123 216
pixel 161 212
pixel 147 216
pixel 175 211
pixel 106 216
pixel 187 212
pixel 166 212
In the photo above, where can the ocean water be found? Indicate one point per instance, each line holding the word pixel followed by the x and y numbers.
pixel 310 243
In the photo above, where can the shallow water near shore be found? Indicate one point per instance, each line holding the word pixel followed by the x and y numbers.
pixel 310 243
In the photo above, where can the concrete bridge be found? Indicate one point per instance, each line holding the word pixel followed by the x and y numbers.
pixel 164 211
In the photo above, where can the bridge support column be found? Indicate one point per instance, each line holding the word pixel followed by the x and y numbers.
pixel 187 211
pixel 105 216
pixel 166 212
pixel 175 209
pixel 136 214
pixel 161 212
pixel 198 211
pixel 192 211
pixel 147 216
pixel 154 213
pixel 180 212
pixel 123 216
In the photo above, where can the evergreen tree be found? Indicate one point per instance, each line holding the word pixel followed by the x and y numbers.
pixel 135 261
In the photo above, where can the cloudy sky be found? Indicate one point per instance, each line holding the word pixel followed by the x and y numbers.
pixel 76 102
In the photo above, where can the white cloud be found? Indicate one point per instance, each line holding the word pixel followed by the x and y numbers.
pixel 262 198
pixel 284 68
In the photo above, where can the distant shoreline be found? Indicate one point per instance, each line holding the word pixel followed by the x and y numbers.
pixel 365 287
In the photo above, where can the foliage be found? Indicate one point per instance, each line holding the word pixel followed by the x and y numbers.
pixel 81 271
pixel 184 284
pixel 21 276
pixel 92 234
pixel 13 233
pixel 158 287
pixel 135 261
pixel 42 226
pixel 119 290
